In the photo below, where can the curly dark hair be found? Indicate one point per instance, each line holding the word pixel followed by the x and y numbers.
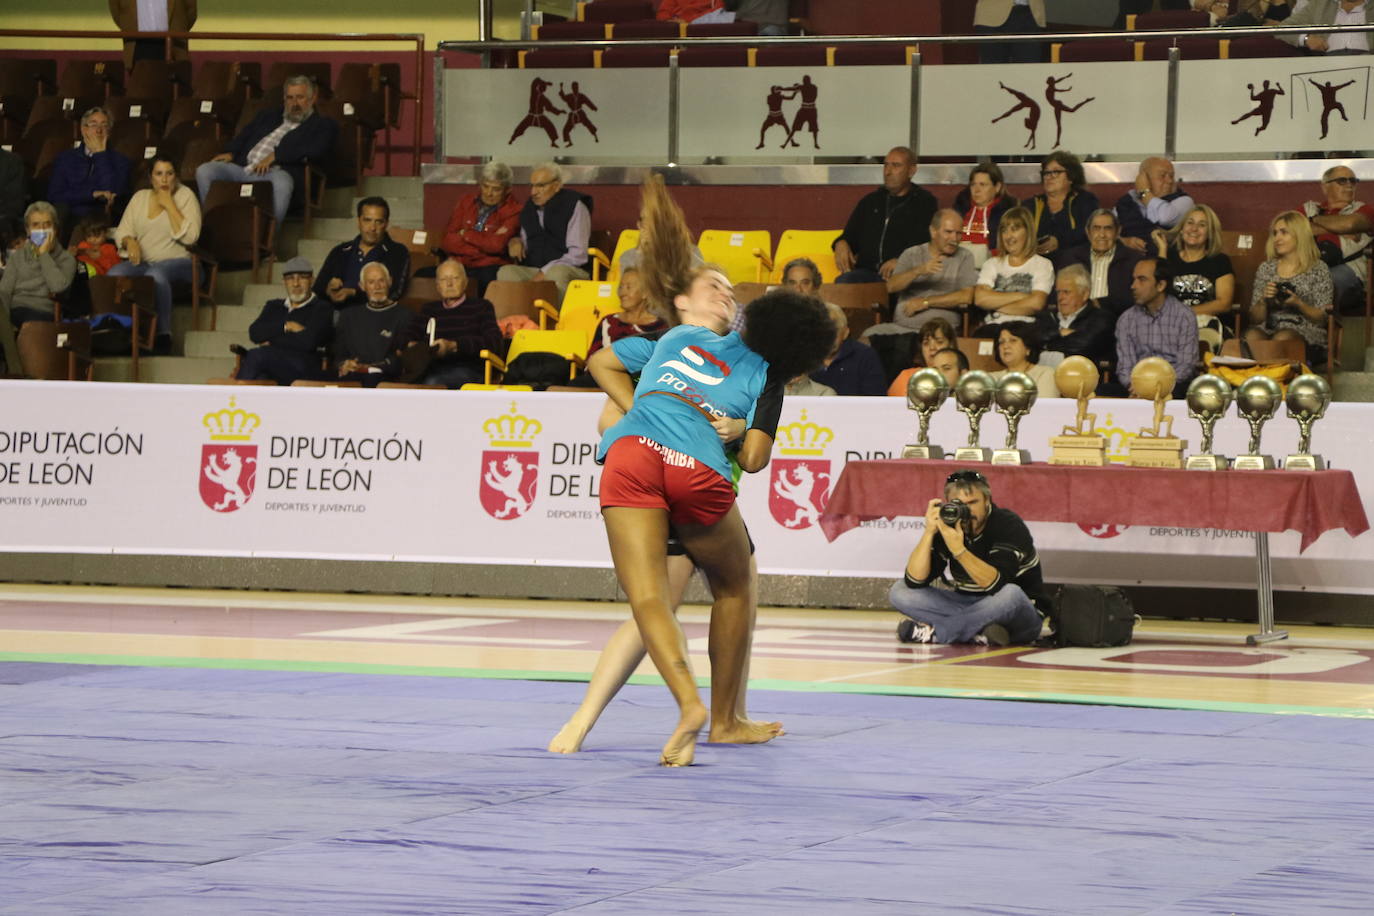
pixel 1028 334
pixel 793 332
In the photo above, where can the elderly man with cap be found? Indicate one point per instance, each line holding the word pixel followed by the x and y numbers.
pixel 290 332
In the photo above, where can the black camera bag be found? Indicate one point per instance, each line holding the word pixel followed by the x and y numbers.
pixel 1093 616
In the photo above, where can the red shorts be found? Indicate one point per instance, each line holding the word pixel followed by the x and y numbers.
pixel 641 474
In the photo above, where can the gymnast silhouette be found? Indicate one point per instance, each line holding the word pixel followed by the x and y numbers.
pixel 1052 90
pixel 1032 113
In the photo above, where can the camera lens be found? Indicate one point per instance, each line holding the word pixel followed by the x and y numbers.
pixel 954 512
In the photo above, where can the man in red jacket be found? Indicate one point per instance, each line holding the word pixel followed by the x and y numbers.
pixel 482 225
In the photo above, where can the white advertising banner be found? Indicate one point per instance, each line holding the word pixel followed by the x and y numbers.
pixel 1015 109
pixel 1285 103
pixel 508 478
pixel 532 115
pixel 793 111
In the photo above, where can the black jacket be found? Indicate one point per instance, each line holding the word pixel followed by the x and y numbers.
pixel 313 139
pixel 317 315
pixel 882 226
pixel 1119 297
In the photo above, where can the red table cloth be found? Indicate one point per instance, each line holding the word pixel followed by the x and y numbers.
pixel 1309 502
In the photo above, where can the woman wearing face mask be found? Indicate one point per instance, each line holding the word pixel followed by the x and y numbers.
pixel 36 271
pixel 158 225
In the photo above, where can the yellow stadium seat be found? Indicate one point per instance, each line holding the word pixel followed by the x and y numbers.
pixel 629 238
pixel 800 243
pixel 733 251
pixel 478 386
pixel 585 304
pixel 571 345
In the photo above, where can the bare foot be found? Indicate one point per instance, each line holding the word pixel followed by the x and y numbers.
pixel 681 748
pixel 569 738
pixel 744 731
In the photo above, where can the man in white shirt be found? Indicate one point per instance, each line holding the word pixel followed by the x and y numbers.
pixel 1332 12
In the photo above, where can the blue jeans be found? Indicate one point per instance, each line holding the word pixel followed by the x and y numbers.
pixel 282 183
pixel 959 616
pixel 164 274
pixel 1348 287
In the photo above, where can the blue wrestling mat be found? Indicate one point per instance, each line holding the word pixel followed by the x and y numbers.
pixel 176 791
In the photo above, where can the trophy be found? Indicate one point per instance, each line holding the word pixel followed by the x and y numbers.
pixel 974 393
pixel 1016 395
pixel 1153 379
pixel 1079 444
pixel 1308 396
pixel 925 392
pixel 1257 399
pixel 1208 398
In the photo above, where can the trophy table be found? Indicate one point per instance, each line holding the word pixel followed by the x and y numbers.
pixel 1257 400
pixel 1079 444
pixel 974 394
pixel 925 392
pixel 1153 379
pixel 1208 398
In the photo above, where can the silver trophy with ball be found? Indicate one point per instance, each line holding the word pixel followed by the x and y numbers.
pixel 1016 394
pixel 974 394
pixel 1257 400
pixel 1307 399
pixel 925 392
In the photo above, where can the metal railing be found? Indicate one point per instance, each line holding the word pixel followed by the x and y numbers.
pixel 169 38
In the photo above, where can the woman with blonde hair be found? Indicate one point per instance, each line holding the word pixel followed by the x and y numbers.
pixel 1015 285
pixel 1203 277
pixel 1293 291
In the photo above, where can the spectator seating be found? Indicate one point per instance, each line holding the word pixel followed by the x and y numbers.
pixel 636 57
pixel 879 55
pixel 421 244
pixel 980 352
pixel 721 29
pixel 570 345
pixel 95 80
pixel 159 80
pixel 1092 51
pixel 134 298
pixel 509 297
pixel 280 71
pixel 615 10
pixel 733 251
pixel 648 28
pixel 816 244
pixel 629 238
pixel 1256 46
pixel 864 303
pixel 1176 20
pixel 570 31
pixel 237 227
pixel 419 291
pixel 746 293
pixel 792 55
pixel 584 305
pixel 226 85
pixel 560 58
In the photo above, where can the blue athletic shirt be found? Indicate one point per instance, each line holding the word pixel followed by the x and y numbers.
pixel 720 374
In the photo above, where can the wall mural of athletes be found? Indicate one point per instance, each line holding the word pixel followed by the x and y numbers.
pixel 1286 104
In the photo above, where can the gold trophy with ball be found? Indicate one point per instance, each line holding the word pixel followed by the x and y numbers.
pixel 1153 379
pixel 1079 444
pixel 974 394
pixel 1307 399
pixel 925 392
pixel 1016 394
pixel 1257 399
pixel 1209 397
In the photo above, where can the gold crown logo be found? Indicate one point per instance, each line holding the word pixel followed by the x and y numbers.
pixel 803 438
pixel 512 430
pixel 231 424
pixel 1118 441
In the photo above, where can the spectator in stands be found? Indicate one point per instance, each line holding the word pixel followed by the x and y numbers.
pixel 769 15
pixel 1156 202
pixel 635 317
pixel 555 225
pixel 275 146
pixel 688 10
pixel 291 333
pixel 367 339
pixel 934 280
pixel 1320 13
pixel 1203 278
pixel 94 250
pixel 482 225
pixel 1076 326
pixel 1157 325
pixel 1257 12
pixel 1109 263
pixel 937 335
pixel 950 362
pixel 1018 350
pixel 1009 17
pixel 463 327
pixel 1292 289
pixel 340 278
pixel 37 272
pixel 885 223
pixel 905 352
pixel 144 16
pixel 981 204
pixel 11 197
pixel 1015 285
pixel 851 368
pixel 803 276
pixel 1343 227
pixel 1060 212
pixel 158 225
pixel 90 177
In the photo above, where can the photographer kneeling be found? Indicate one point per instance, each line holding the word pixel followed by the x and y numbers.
pixel 991 591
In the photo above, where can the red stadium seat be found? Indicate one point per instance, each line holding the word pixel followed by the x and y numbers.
pixel 1173 19
pixel 886 55
pixel 737 56
pixel 1252 47
pixel 790 55
pixel 616 10
pixel 635 57
pixel 648 28
pixel 570 31
pixel 1108 49
pixel 721 29
pixel 558 58
pixel 1188 48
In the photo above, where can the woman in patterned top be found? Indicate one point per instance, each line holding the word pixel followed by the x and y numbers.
pixel 1293 291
